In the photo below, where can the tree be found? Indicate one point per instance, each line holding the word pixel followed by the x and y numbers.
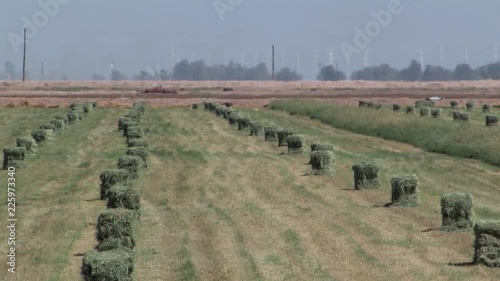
pixel 287 74
pixel 490 71
pixel 329 73
pixel 117 76
pixel 97 77
pixel 382 72
pixel 464 72
pixel 437 73
pixel 412 73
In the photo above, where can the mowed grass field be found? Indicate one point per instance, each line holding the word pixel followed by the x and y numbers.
pixel 218 204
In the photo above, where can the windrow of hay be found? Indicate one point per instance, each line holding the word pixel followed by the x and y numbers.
pixel 366 175
pixel 256 128
pixel 284 133
pixel 461 116
pixel 456 210
pixel 133 164
pixel 110 178
pixel 28 143
pixel 322 162
pixel 295 144
pixel 404 191
pixel 271 133
pixel 114 265
pixel 140 142
pixel 487 243
pixel 491 121
pixel 14 157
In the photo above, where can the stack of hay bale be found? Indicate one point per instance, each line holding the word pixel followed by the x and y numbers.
pixel 113 257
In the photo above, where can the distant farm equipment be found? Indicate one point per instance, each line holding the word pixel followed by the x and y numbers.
pixel 158 90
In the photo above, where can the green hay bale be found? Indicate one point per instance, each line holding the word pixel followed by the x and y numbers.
pixel 322 147
pixel 256 128
pixel 110 178
pixel 14 157
pixel 491 121
pixel 486 108
pixel 226 112
pixel 461 116
pixel 487 243
pixel 436 112
pixel 205 106
pixel 219 110
pixel 283 134
pixel 194 106
pixel 73 118
pixel 28 143
pixel 134 115
pixel 93 103
pixel 404 191
pixel 456 211
pixel 233 117
pixel 141 152
pixel 140 106
pixel 117 224
pixel 64 118
pixel 58 124
pixel 363 103
pixel 366 175
pixel 124 197
pixel 424 103
pixel 87 107
pixel 122 121
pixel 127 125
pixel 134 132
pixel 470 106
pixel 79 111
pixel 322 162
pixel 243 122
pixel 76 105
pixel 370 104
pixel 133 164
pixel 295 144
pixel 42 136
pixel 50 127
pixel 114 265
pixel 396 107
pixel 454 104
pixel 410 109
pixel 137 143
pixel 425 111
pixel 271 133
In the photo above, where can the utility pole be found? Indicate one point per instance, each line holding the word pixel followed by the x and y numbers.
pixel 24 57
pixel 273 64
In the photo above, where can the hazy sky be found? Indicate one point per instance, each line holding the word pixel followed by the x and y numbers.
pixel 85 36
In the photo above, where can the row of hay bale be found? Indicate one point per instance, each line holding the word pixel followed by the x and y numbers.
pixel 113 257
pixel 456 207
pixel 45 134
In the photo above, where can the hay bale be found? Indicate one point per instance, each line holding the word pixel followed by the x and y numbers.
pixel 322 162
pixel 226 112
pixel 14 157
pixel 73 118
pixel 122 121
pixel 76 105
pixel 134 115
pixel 64 118
pixel 137 143
pixel 404 191
pixel 87 107
pixel 454 104
pixel 140 106
pixel 58 124
pixel 461 116
pixel 470 106
pixel 142 152
pixel 322 147
pixel 133 164
pixel 134 132
pixel 42 136
pixel 110 178
pixel 128 124
pixel 295 144
pixel 487 243
pixel 124 197
pixel 436 112
pixel 370 104
pixel 283 134
pixel 424 103
pixel 270 133
pixel 194 106
pixel 28 143
pixel 219 110
pixel 396 107
pixel 114 265
pixel 456 211
pixel 486 108
pixel 243 122
pixel 256 128
pixel 410 109
pixel 93 103
pixel 115 229
pixel 79 111
pixel 363 103
pixel 425 111
pixel 491 121
pixel 366 175
pixel 50 127
pixel 233 117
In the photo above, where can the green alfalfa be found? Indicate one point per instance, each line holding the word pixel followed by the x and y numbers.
pixel 271 133
pixel 486 108
pixel 284 133
pixel 113 265
pixel 14 157
pixel 487 243
pixel 42 136
pixel 491 121
pixel 404 191
pixel 366 175
pixel 110 178
pixel 133 164
pixel 142 152
pixel 28 143
pixel 295 144
pixel 116 225
pixel 456 211
pixel 124 197
pixel 137 143
pixel 322 162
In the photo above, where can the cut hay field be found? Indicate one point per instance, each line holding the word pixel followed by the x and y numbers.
pixel 218 204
